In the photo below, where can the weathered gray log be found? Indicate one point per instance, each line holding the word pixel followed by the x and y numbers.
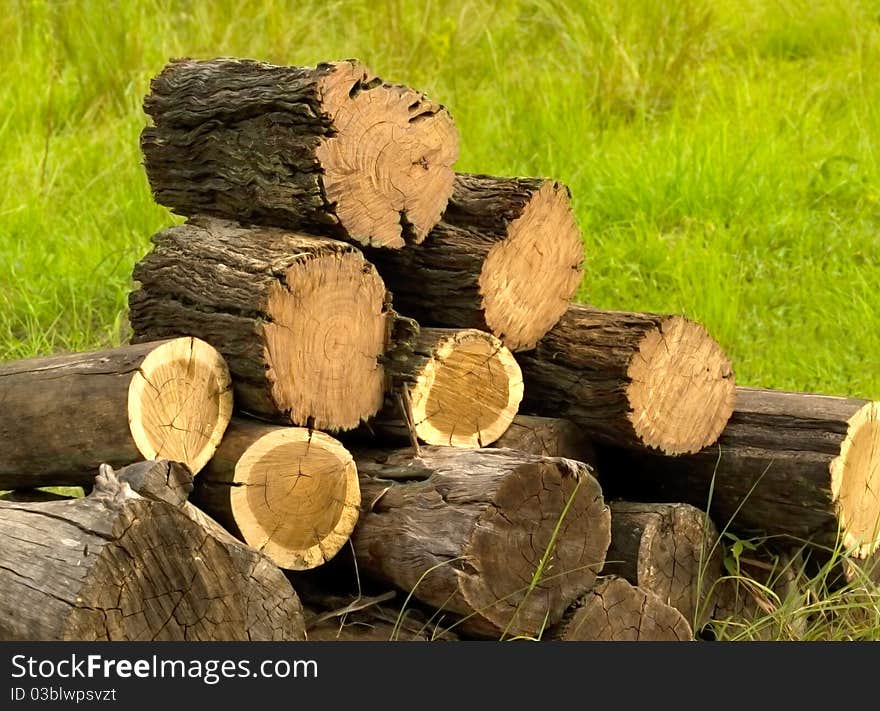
pixel 634 380
pixel 671 550
pixel 504 540
pixel 302 321
pixel 615 611
pixel 506 258
pixel 787 464
pixel 329 148
pixel 548 437
pixel 64 415
pixel 290 492
pixel 117 566
pixel 451 387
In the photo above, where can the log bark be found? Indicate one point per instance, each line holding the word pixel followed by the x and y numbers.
pixel 633 380
pixel 461 388
pixel 117 566
pixel 64 415
pixel 547 437
pixel 671 550
pixel 506 258
pixel 302 321
pixel 502 539
pixel 330 148
pixel 615 611
pixel 290 492
pixel 787 464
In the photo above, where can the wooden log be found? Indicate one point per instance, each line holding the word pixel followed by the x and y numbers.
pixel 787 464
pixel 117 566
pixel 506 258
pixel 671 550
pixel 302 321
pixel 461 387
pixel 290 492
pixel 329 148
pixel 64 415
pixel 502 539
pixel 615 611
pixel 547 437
pixel 632 380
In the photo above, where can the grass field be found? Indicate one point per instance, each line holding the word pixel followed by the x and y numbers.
pixel 723 157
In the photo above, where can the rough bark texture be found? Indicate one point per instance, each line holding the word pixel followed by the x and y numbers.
pixel 329 148
pixel 159 480
pixel 671 550
pixel 368 620
pixel 301 321
pixel 292 493
pixel 452 387
pixel 634 380
pixel 117 566
pixel 62 416
pixel 547 437
pixel 506 258
pixel 787 464
pixel 466 531
pixel 615 611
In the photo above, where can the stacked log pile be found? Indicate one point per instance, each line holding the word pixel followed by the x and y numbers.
pixel 357 366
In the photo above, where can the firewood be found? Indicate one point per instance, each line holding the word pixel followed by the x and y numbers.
pixel 504 540
pixel 506 258
pixel 64 415
pixel 329 148
pixel 634 380
pixel 671 550
pixel 290 492
pixel 301 321
pixel 117 566
pixel 788 464
pixel 462 388
pixel 548 437
pixel 615 611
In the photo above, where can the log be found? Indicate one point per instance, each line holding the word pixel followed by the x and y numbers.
pixel 117 566
pixel 461 388
pixel 301 321
pixel 326 149
pixel 64 415
pixel 290 492
pixel 548 437
pixel 671 550
pixel 615 611
pixel 506 258
pixel 788 464
pixel 504 540
pixel 633 380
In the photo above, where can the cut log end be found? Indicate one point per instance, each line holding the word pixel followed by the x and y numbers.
pixel 855 482
pixel 296 497
pixel 681 389
pixel 468 392
pixel 325 337
pixel 528 278
pixel 180 402
pixel 387 168
pixel 615 611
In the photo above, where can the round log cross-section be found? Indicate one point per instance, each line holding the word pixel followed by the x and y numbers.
pixel 290 492
pixel 326 148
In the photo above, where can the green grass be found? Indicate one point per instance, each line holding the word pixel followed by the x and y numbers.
pixel 723 157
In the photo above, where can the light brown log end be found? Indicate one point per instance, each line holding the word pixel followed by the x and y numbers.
pixel 528 278
pixel 855 482
pixel 468 392
pixel 295 496
pixel 388 165
pixel 681 389
pixel 180 402
pixel 324 339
